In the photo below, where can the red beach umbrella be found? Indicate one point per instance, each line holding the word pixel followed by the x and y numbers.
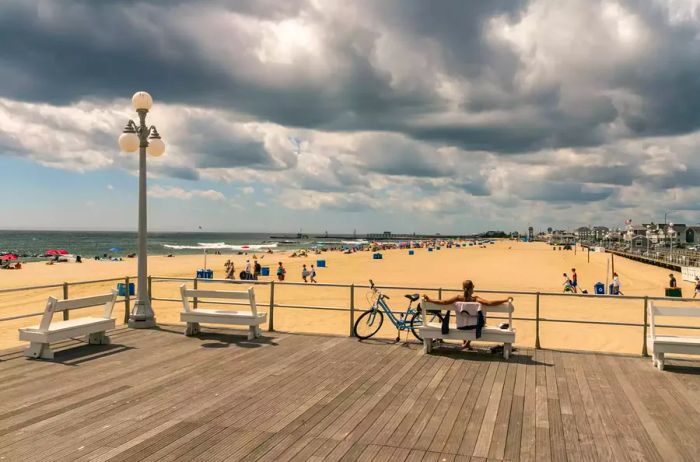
pixel 52 252
pixel 8 256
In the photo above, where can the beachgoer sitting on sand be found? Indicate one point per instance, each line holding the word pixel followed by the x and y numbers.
pixel 467 296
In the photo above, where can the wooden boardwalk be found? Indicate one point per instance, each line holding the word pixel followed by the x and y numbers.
pixel 157 395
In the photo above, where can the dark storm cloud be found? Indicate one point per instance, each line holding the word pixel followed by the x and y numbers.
pixel 419 76
pixel 552 191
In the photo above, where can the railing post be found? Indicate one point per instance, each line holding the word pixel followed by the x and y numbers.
pixel 352 310
pixel 127 300
pixel 150 290
pixel 646 319
pixel 271 311
pixel 65 297
pixel 194 299
pixel 537 322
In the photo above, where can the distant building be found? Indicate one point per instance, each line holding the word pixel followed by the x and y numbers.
pixel 639 242
pixel 583 233
pixel 599 232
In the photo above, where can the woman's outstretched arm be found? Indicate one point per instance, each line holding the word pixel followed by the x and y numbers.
pixel 448 301
pixel 485 302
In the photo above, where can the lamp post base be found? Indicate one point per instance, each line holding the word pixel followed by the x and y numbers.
pixel 142 317
pixel 142 323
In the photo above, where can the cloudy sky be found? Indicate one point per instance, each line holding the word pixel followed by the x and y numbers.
pixel 402 115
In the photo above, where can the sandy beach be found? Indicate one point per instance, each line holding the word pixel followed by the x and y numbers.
pixel 506 265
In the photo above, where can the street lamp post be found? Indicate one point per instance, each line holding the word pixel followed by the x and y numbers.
pixel 147 140
pixel 671 232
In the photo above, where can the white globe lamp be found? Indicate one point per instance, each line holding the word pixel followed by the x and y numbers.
pixel 129 141
pixel 142 101
pixel 156 147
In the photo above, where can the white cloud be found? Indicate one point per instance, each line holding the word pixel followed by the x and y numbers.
pixel 162 192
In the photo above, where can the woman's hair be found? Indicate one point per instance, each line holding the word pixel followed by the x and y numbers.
pixel 468 287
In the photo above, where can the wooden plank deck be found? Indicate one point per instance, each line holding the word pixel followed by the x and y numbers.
pixel 157 395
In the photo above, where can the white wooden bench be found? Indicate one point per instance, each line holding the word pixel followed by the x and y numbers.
pixel 661 344
pixel 193 317
pixel 433 330
pixel 94 327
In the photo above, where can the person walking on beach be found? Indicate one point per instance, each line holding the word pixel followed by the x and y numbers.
pixel 304 273
pixel 672 281
pixel 574 280
pixel 312 275
pixel 230 270
pixel 697 286
pixel 281 272
pixel 467 296
pixel 567 283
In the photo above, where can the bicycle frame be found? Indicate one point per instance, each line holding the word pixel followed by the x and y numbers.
pixel 401 324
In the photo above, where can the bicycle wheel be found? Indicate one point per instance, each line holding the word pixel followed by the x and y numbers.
pixel 417 321
pixel 368 324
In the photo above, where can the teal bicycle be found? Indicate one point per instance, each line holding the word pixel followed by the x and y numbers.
pixel 369 322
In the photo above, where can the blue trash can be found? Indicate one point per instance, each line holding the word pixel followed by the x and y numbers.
pixel 200 274
pixel 265 271
pixel 430 249
pixel 599 288
pixel 411 252
pixel 377 256
pixel 320 263
pixel 122 290
pixel 209 274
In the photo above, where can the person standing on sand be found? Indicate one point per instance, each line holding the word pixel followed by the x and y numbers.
pixel 312 275
pixel 466 297
pixel 672 281
pixel 281 272
pixel 697 286
pixel 304 273
pixel 574 280
pixel 616 285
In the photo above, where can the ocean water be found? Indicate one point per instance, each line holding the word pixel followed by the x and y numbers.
pixel 88 244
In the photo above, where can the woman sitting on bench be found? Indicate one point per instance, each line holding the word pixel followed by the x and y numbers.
pixel 467 296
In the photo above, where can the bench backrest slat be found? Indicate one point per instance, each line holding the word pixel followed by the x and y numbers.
pixel 248 295
pixel 503 308
pixel 669 311
pixel 684 312
pixel 75 303
pixel 54 306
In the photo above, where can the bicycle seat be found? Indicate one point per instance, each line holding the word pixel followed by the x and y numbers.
pixel 412 297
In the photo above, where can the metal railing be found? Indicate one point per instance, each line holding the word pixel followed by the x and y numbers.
pixel 65 286
pixel 350 308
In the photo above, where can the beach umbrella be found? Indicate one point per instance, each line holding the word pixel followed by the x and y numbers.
pixel 52 252
pixel 8 256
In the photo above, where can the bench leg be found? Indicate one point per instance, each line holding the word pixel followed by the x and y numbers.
pixel 251 332
pixel 507 348
pixel 427 345
pixel 258 332
pixel 660 361
pixel 39 350
pixel 192 329
pixel 653 359
pixel 98 338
